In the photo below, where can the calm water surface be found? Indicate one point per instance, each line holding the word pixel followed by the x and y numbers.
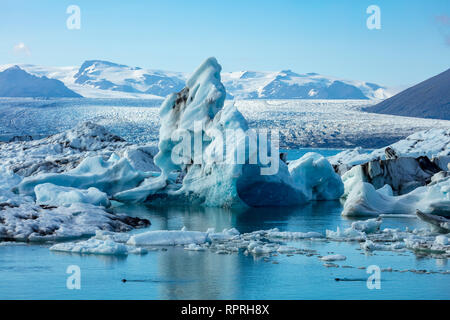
pixel 32 271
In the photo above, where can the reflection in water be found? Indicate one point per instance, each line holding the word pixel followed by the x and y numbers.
pixel 313 216
pixel 107 260
pixel 205 275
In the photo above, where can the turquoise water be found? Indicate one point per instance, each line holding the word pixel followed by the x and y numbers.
pixel 34 272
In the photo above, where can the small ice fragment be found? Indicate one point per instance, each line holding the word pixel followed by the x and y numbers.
pixel 334 257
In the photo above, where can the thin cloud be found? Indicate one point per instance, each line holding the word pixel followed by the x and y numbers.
pixel 443 19
pixel 21 49
pixel 443 22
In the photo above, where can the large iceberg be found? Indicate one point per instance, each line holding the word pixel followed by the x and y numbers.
pixel 225 169
pixel 110 176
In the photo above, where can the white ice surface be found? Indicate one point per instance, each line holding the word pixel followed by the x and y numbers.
pixel 167 238
pixel 334 257
pixel 95 246
pixel 269 242
pixel 50 194
pixel 430 143
pixel 364 200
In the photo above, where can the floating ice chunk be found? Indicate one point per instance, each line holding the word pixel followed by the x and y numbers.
pixel 334 257
pixel 369 245
pixel 194 247
pixel 367 226
pixel 148 187
pixel 96 246
pixel 441 240
pixel 348 234
pixel 430 143
pixel 226 234
pixel 111 176
pixel 315 176
pixel 259 248
pixel 293 235
pixel 356 232
pixel 286 249
pixel 50 194
pixel 167 238
pixel 364 200
pixel 12 243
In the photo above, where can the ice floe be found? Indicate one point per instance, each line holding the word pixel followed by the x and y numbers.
pixel 95 246
pixel 26 221
pixel 333 257
pixel 167 238
pixel 267 243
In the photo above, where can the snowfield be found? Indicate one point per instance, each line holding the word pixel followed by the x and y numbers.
pixel 331 123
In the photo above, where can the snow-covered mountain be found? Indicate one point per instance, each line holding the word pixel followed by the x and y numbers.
pixel 290 85
pixel 15 82
pixel 101 79
pixel 111 76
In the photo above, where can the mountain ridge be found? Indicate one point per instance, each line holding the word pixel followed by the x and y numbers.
pixel 100 78
pixel 15 82
pixel 427 99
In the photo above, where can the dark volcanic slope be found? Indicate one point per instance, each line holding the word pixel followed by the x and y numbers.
pixel 428 99
pixel 15 82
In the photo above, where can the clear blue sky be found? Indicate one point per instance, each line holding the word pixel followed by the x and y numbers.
pixel 325 36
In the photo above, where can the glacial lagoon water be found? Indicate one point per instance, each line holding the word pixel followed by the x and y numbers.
pixel 32 271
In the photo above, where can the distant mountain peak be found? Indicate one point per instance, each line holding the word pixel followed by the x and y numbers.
pixel 101 78
pixel 16 82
